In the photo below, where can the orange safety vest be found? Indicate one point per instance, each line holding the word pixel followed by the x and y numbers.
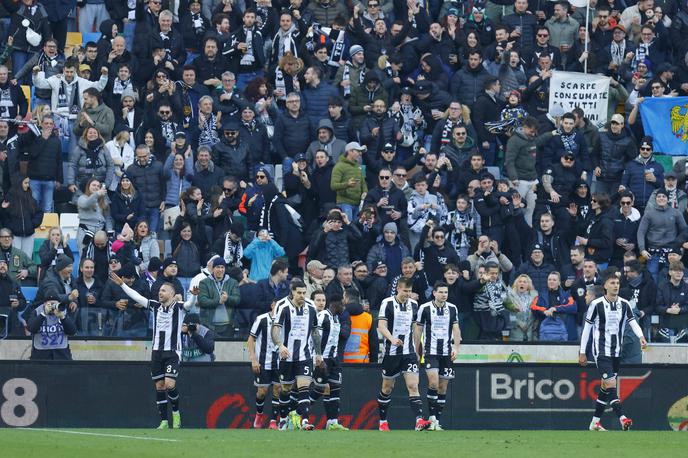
pixel 357 346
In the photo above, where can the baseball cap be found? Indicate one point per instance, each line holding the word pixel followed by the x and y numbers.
pixel 617 118
pixel 315 264
pixel 300 157
pixel 355 145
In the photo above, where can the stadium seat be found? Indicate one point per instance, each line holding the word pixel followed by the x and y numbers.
pixel 90 36
pixel 29 292
pixel 36 248
pixel 69 223
pixel 494 171
pixel 74 39
pixel 49 220
pixel 27 94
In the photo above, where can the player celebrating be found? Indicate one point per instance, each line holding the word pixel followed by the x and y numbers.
pixel 168 318
pixel 438 320
pixel 395 323
pixel 264 365
pixel 608 317
pixel 328 377
pixel 296 322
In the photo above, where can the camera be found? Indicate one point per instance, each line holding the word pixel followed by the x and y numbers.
pixel 192 327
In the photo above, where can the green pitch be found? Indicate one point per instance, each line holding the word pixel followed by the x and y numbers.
pixel 138 443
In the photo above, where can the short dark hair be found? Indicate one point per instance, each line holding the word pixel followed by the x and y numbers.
pixel 531 122
pixel 296 283
pixel 278 266
pixel 439 284
pixel 405 283
pixel 634 265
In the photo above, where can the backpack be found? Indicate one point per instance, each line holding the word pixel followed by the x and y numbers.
pixel 553 329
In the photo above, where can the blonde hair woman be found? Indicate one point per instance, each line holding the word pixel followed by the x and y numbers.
pixel 522 294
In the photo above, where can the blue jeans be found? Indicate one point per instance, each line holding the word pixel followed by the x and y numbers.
pixel 490 154
pixel 186 283
pixel 152 215
pixel 242 79
pixel 129 29
pixel 19 59
pixel 653 266
pixel 89 13
pixel 43 191
pixel 351 211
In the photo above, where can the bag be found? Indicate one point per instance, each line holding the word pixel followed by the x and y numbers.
pixel 553 329
pixel 169 217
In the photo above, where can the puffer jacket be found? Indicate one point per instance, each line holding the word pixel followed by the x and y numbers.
pixel 521 154
pixel 82 167
pixel 599 234
pixel 467 84
pixel 633 179
pixel 614 152
pixel 316 101
pixel 148 181
pixel 388 129
pixel 342 171
pixel 538 274
pixel 122 206
pixel 233 159
pixel 38 22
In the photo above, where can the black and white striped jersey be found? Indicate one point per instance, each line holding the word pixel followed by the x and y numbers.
pixel 167 321
pixel 330 326
pixel 167 327
pixel 400 318
pixel 297 325
pixel 608 321
pixel 437 324
pixel 266 351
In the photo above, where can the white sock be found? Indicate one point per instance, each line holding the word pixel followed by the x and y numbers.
pixel 622 417
pixel 431 418
pixel 595 419
pixel 383 421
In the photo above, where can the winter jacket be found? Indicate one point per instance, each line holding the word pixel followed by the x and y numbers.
pixel 555 148
pixel 148 180
pixel 633 179
pixel 233 159
pixel 538 274
pixel 387 131
pixel 52 283
pixel 214 314
pixel 599 234
pixel 316 101
pixel 379 253
pixel 397 200
pixel 524 327
pixel 39 22
pixel 121 206
pixel 262 254
pixel 668 295
pixel 18 260
pixel 48 254
pixel 566 309
pixel 332 248
pixel 53 83
pixel 44 156
pixel 334 147
pixel 527 22
pixel 361 96
pixel 147 249
pixel 626 228
pixel 614 152
pixel 205 179
pixel 103 120
pixel 82 167
pixel 341 173
pixel 91 215
pixel 521 153
pixel 467 84
pixel 484 110
pixel 292 134
pixel 21 221
pixel 176 184
pixel 255 136
pixel 659 228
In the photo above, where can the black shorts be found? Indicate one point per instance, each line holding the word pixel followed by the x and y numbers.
pixel 442 364
pixel 394 365
pixel 608 366
pixel 266 377
pixel 331 373
pixel 289 370
pixel 164 364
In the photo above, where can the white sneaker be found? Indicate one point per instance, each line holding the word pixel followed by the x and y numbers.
pixel 596 426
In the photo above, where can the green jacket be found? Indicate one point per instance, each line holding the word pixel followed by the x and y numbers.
pixel 342 171
pixel 521 153
pixel 18 260
pixel 214 314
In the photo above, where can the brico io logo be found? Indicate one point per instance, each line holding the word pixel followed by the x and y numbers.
pixel 538 391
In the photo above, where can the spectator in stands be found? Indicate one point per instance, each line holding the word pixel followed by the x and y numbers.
pixel 94 113
pixel 489 301
pixel 435 254
pixel 43 153
pixel 345 282
pixel 536 268
pixel 390 202
pixel 617 148
pixel 642 175
pixel 92 315
pixel 169 275
pixel 275 287
pixel 94 211
pixel 658 230
pixel 293 129
pixel 262 251
pixel 522 296
pixel 597 238
pixel 126 206
pixel 219 295
pixel 348 181
pixel 672 305
pixel 423 205
pixel 12 301
pixel 20 264
pixel 321 177
pixel 178 173
pixel 312 277
pixel 124 317
pixel 186 252
pixel 390 250
pixel 20 213
pixel 52 247
pixel 468 83
pixel 677 198
pixel 146 175
pixel 327 142
pixel 58 281
pixel 463 226
pixel 414 271
pixel 330 243
pixel 89 159
pixel 556 310
pixel 488 251
pixel 641 291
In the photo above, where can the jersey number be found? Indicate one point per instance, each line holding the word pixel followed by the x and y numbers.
pixel 448 372
pixel 306 370
pixel 412 367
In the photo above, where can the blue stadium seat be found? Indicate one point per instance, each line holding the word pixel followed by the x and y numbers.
pixel 91 36
pixel 29 292
pixel 77 256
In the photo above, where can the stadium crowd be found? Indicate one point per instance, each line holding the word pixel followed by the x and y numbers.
pixel 234 144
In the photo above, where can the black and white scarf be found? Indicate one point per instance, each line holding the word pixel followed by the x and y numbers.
pixel 569 141
pixel 248 58
pixel 208 135
pixel 618 52
pixel 118 86
pixel 233 253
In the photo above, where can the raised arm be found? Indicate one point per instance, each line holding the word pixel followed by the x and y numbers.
pixel 134 295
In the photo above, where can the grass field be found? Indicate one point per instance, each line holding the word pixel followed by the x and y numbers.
pixel 139 443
